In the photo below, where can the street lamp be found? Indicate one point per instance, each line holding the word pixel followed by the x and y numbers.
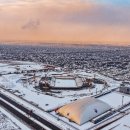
pixel 122 100
pixel 96 91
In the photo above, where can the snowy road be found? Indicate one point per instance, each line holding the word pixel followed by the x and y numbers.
pixel 38 114
pixel 21 116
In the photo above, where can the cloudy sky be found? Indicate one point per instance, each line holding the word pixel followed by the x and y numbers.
pixel 68 21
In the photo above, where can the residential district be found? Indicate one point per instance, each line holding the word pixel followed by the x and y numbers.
pixel 70 88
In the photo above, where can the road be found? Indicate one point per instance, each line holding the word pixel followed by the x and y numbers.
pixel 14 103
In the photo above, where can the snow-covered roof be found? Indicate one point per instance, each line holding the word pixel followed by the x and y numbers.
pixel 83 110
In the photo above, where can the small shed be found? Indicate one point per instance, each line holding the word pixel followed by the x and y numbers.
pixel 125 89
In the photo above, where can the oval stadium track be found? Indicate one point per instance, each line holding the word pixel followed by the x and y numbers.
pixel 26 110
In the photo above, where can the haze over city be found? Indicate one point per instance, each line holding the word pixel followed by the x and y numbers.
pixel 65 21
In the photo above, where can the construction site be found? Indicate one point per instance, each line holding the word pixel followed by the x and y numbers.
pixel 49 97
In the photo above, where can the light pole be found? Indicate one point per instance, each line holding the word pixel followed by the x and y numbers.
pixel 96 91
pixel 122 100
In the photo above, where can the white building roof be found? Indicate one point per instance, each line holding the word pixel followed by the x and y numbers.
pixel 83 110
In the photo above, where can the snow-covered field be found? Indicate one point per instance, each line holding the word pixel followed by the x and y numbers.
pixel 65 83
pixel 9 122
pixel 114 99
pixel 6 123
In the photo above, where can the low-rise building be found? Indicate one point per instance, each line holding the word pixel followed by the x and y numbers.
pixel 83 110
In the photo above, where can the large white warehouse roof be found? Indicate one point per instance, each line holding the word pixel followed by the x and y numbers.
pixel 83 110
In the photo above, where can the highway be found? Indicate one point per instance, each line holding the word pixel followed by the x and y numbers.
pixel 21 116
pixel 39 120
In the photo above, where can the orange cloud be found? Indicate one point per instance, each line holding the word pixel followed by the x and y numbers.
pixel 63 21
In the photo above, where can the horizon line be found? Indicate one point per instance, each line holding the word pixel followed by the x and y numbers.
pixel 34 43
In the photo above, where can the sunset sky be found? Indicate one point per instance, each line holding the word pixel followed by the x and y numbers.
pixel 66 21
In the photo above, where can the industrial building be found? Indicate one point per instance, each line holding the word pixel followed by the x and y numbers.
pixel 83 110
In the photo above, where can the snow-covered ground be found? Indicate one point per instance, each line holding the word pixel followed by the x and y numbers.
pixel 115 99
pixel 65 83
pixel 9 122
pixel 51 100
pixel 46 100
pixel 121 124
pixel 16 66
